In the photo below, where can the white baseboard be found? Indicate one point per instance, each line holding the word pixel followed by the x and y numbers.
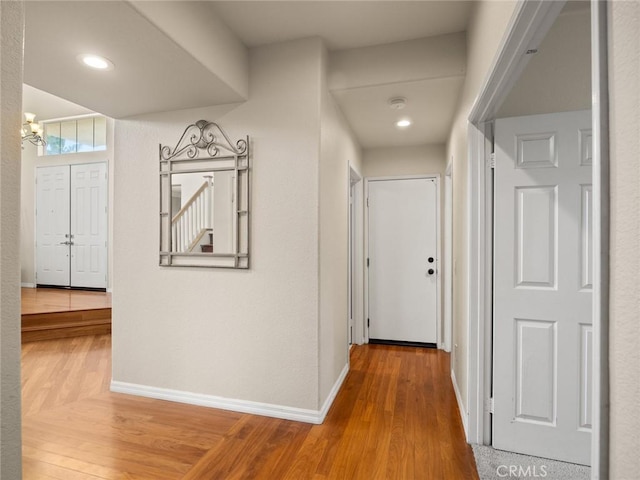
pixel 333 393
pixel 463 413
pixel 28 285
pixel 243 406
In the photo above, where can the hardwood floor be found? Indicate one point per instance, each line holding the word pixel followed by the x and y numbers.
pixel 394 418
pixel 58 313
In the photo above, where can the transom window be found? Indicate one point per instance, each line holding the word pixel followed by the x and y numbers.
pixel 87 134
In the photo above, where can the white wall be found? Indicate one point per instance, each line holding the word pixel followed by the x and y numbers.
pixel 486 28
pixel 198 30
pixel 420 160
pixel 11 52
pixel 558 77
pixel 30 161
pixel 249 335
pixel 624 358
pixel 338 149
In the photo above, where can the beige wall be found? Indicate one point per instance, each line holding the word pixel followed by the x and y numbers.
pixel 11 49
pixel 558 77
pixel 29 164
pixel 624 84
pixel 420 160
pixel 247 335
pixel 486 29
pixel 338 149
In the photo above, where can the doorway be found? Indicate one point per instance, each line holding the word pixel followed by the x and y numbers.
pixel 402 260
pixel 71 226
pixel 533 21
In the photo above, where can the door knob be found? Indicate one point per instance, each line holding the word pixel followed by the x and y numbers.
pixel 431 271
pixel 430 260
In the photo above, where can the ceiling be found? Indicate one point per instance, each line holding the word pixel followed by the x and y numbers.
pixel 151 63
pixel 342 24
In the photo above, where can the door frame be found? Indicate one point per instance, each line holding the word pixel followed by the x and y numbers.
pixel 527 28
pixel 356 270
pixel 447 270
pixel 436 177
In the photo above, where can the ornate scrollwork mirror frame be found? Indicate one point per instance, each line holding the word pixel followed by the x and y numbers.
pixel 204 148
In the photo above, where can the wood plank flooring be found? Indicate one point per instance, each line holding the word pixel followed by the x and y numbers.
pixel 58 313
pixel 394 418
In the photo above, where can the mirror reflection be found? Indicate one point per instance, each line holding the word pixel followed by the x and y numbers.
pixel 202 212
pixel 204 199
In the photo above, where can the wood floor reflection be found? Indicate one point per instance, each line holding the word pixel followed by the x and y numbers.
pixel 58 313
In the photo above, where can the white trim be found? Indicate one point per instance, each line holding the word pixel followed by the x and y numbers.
pixel 436 177
pixel 463 414
pixel 601 195
pixel 109 290
pixel 28 285
pixel 333 394
pixel 356 181
pixel 235 405
pixel 447 274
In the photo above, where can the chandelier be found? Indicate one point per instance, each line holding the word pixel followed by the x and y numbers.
pixel 32 131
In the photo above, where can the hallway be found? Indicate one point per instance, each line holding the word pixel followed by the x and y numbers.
pixel 395 418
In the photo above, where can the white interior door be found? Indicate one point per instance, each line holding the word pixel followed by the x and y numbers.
pixel 542 285
pixel 403 273
pixel 89 225
pixel 52 225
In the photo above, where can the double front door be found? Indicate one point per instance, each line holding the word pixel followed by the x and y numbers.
pixel 71 226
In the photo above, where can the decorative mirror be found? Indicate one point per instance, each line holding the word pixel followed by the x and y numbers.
pixel 204 199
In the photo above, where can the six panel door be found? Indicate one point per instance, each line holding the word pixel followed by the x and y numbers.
pixel 542 286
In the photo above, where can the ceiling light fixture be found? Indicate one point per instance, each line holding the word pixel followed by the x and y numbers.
pixel 403 123
pixel 95 61
pixel 32 131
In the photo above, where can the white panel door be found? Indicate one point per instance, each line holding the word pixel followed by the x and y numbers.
pixel 52 226
pixel 403 274
pixel 542 286
pixel 89 225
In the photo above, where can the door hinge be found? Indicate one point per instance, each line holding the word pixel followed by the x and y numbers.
pixel 367 202
pixel 492 160
pixel 491 405
pixel 368 322
pixel 367 262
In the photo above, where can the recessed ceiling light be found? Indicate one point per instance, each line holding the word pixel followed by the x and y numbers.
pixel 403 123
pixel 95 61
